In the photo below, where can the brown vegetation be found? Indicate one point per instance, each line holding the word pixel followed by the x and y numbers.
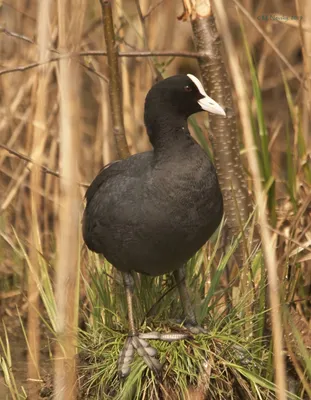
pixel 56 132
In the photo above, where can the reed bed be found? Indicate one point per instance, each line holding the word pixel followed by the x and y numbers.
pixel 65 304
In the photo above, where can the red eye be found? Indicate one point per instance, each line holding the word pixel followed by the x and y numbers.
pixel 188 89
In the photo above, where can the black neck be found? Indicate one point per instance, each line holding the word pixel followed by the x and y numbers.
pixel 166 131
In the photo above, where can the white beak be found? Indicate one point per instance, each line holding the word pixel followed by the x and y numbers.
pixel 211 106
pixel 206 103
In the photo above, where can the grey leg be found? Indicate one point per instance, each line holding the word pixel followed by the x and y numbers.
pixel 128 282
pixel 138 342
pixel 134 342
pixel 191 321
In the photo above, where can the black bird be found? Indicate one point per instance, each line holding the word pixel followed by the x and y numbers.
pixel 151 212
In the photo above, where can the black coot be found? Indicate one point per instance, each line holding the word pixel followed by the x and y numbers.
pixel 151 212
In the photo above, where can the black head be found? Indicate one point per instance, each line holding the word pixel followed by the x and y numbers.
pixel 180 96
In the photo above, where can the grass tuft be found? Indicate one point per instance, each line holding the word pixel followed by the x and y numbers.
pixel 229 362
pixel 222 364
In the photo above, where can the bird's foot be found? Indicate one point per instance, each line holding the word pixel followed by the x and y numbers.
pixel 144 350
pixel 194 328
pixel 166 337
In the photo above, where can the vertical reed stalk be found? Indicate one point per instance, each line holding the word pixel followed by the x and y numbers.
pixel 268 244
pixel 70 20
pixel 115 83
pixel 304 11
pixel 38 140
pixel 129 121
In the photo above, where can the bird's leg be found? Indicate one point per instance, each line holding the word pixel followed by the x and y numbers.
pixel 129 290
pixel 137 341
pixel 191 321
pixel 134 342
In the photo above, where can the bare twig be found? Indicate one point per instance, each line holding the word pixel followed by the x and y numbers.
pixel 301 246
pixel 42 167
pixel 115 87
pixel 133 54
pixel 30 66
pixel 91 69
pixel 22 12
pixel 154 70
pixel 145 53
pixel 152 8
pixel 16 35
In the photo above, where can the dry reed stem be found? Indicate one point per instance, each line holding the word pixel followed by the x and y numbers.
pixel 39 132
pixel 70 20
pixel 267 242
pixel 306 51
pixel 146 37
pixel 39 190
pixel 109 151
pixel 22 92
pixel 129 121
pixel 115 85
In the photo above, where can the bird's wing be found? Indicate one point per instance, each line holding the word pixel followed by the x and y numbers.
pixel 108 171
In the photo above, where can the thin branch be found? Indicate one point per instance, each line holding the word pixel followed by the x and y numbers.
pixel 16 35
pixel 30 66
pixel 115 86
pixel 152 8
pixel 169 53
pixel 93 71
pixel 135 53
pixel 154 70
pixel 42 167
pixel 146 53
pixel 132 54
pixel 18 10
pixel 305 246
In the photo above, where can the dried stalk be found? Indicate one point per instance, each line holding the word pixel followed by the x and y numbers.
pixel 33 323
pixel 67 272
pixel 306 49
pixel 267 242
pixel 115 87
pixel 155 72
pixel 128 111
